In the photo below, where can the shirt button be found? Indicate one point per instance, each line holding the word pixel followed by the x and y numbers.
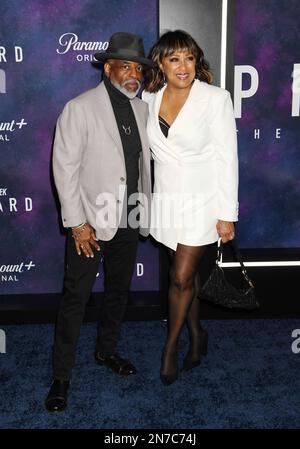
pixel 122 179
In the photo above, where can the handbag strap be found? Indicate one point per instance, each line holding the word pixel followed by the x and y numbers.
pixel 237 253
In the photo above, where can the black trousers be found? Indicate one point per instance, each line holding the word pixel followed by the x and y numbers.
pixel 119 260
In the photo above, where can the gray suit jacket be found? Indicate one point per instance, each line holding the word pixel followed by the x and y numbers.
pixel 89 166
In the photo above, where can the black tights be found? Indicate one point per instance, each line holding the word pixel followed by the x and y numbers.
pixel 183 302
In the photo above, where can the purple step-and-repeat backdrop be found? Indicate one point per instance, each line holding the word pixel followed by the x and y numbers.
pixel 46 53
pixel 267 104
pixel 46 50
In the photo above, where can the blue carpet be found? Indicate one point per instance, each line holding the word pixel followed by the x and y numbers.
pixel 249 379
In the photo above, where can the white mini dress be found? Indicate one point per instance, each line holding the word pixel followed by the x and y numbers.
pixel 195 167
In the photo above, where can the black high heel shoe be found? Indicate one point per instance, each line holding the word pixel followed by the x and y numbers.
pixel 168 379
pixel 190 361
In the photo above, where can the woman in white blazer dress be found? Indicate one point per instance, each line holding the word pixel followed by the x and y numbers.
pixel 192 133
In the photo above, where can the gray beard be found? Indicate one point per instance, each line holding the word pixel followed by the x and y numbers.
pixel 123 89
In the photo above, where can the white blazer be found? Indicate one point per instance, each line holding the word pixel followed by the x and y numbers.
pixel 196 167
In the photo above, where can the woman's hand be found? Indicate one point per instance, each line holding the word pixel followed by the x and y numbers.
pixel 225 230
pixel 84 237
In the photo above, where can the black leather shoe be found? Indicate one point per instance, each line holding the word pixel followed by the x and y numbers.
pixel 116 363
pixel 57 398
pixel 192 360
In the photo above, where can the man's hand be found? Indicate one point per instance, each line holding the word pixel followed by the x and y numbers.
pixel 225 230
pixel 85 238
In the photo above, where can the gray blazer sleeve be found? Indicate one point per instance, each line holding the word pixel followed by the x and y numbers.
pixel 69 144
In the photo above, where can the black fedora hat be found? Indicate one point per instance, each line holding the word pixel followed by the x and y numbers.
pixel 125 46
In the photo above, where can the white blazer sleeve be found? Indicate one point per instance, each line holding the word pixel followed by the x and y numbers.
pixel 225 139
pixel 69 144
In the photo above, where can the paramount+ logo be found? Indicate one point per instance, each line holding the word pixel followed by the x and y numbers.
pixel 83 50
pixel 9 128
pixel 11 272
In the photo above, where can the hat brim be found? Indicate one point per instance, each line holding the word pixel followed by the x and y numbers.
pixel 126 57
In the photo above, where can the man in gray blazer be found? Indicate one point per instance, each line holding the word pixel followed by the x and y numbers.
pixel 101 166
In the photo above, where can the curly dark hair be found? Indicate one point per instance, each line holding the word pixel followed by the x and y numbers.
pixel 166 45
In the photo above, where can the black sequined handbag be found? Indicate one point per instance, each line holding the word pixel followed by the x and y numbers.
pixel 220 292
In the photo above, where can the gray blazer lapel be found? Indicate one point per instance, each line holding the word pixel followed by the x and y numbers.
pixel 108 116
